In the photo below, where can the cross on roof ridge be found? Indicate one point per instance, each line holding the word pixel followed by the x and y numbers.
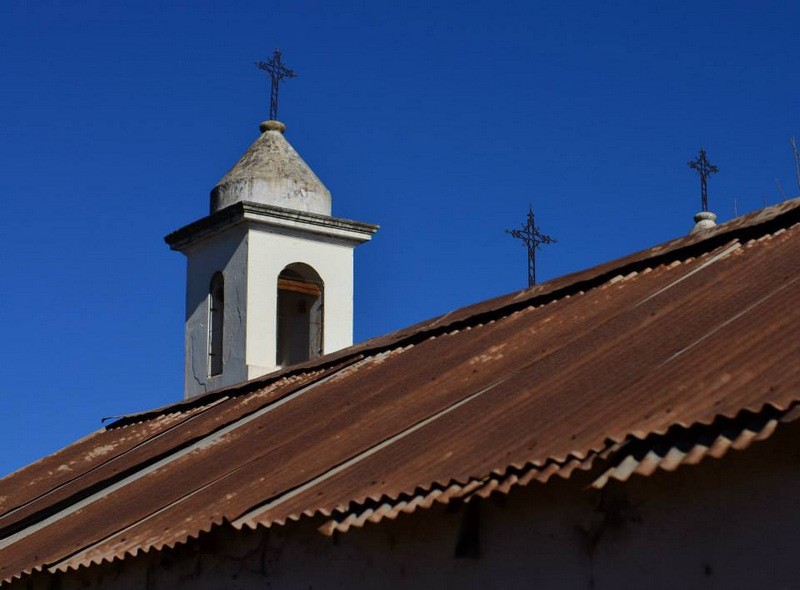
pixel 533 238
pixel 705 169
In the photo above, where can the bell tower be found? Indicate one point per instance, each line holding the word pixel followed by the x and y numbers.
pixel 269 279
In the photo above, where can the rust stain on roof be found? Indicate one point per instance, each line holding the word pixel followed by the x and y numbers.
pixel 565 376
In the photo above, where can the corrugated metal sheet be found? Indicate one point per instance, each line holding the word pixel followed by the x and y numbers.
pixel 505 392
pixel 359 515
pixel 680 446
pixel 689 446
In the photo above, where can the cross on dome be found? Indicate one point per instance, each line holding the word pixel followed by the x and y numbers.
pixel 277 71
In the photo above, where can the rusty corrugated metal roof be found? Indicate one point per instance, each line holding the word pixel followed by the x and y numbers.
pixel 513 390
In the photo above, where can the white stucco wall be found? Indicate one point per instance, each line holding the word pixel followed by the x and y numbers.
pixel 226 253
pixel 251 256
pixel 269 252
pixel 729 523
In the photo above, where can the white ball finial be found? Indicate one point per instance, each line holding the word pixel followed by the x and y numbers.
pixel 704 220
pixel 272 126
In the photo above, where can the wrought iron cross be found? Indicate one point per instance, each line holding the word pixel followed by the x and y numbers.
pixel 704 169
pixel 532 238
pixel 277 71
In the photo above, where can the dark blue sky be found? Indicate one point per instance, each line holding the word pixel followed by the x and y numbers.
pixel 440 122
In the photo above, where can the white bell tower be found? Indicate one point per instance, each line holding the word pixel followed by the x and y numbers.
pixel 269 271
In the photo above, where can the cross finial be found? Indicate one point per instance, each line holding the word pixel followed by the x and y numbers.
pixel 277 71
pixel 532 238
pixel 705 169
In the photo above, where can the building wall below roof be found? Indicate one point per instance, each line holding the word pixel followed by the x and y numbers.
pixel 729 523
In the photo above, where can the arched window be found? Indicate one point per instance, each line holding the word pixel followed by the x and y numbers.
pixel 216 318
pixel 300 313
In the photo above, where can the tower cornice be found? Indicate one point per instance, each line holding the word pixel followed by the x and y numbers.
pixel 347 230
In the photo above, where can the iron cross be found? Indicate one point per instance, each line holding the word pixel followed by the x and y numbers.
pixel 532 238
pixel 277 71
pixel 704 169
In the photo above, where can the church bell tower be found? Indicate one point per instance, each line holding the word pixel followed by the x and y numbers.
pixel 269 270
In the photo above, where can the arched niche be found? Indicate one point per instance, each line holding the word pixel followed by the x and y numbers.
pixel 300 314
pixel 216 323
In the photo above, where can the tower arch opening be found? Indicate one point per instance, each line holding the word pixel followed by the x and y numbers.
pixel 300 314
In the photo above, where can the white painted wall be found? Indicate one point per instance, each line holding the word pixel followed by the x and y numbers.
pixel 225 252
pixel 724 524
pixel 250 256
pixel 269 252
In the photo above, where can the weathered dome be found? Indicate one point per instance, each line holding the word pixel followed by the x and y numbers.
pixel 271 172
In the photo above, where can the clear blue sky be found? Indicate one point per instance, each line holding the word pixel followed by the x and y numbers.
pixel 439 121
